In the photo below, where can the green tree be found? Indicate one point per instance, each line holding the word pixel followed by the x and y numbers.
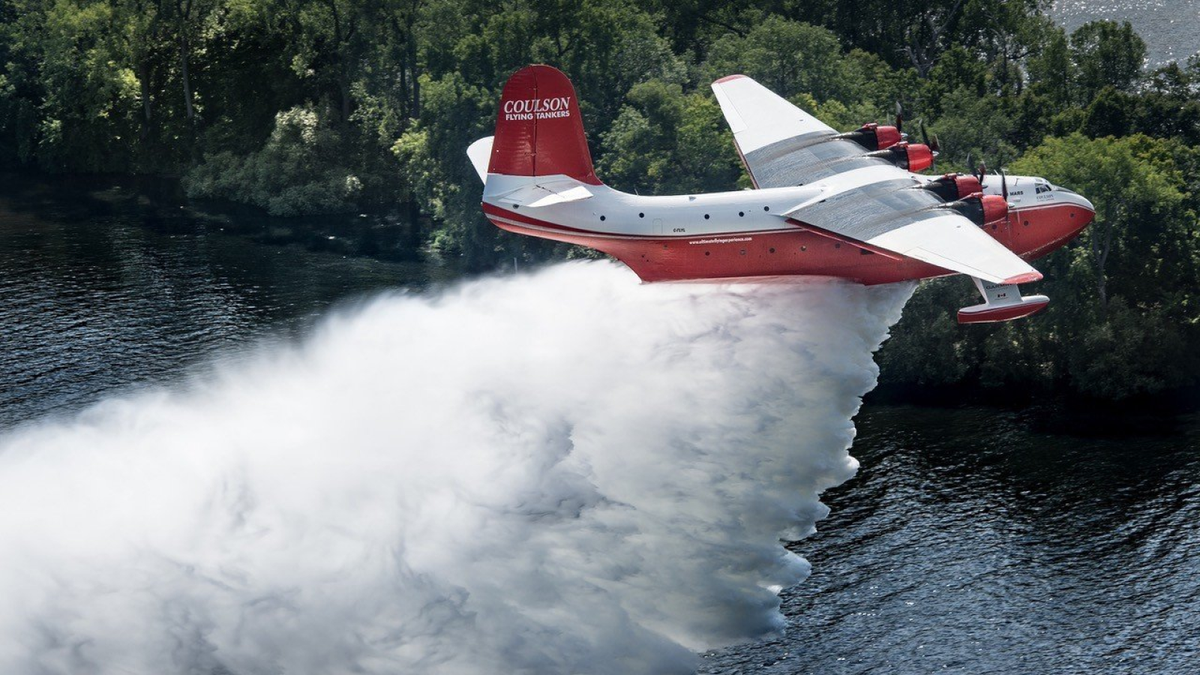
pixel 1106 54
pixel 90 104
pixel 1136 187
pixel 434 165
pixel 299 170
pixel 787 57
pixel 1050 70
pixel 666 142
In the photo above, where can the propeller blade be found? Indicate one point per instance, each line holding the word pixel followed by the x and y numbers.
pixel 899 117
pixel 933 146
pixel 1003 184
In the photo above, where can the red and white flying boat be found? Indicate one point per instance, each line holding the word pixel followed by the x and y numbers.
pixel 832 204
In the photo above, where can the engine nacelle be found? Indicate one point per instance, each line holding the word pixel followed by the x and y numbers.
pixel 874 137
pixel 981 209
pixel 954 186
pixel 910 156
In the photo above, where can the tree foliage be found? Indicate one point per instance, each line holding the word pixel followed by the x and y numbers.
pixel 1124 318
pixel 322 106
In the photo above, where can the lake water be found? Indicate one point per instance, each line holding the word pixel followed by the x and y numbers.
pixel 109 286
pixel 973 539
pixel 977 540
pixel 1171 28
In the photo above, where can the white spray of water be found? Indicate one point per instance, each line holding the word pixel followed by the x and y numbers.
pixel 565 472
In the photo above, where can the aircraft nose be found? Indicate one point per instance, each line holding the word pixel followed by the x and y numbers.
pixel 1084 203
pixel 1073 197
pixel 1089 213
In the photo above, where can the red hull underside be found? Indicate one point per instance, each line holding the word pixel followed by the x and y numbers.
pixel 1030 233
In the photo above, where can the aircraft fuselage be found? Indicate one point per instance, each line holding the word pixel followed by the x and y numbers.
pixel 741 234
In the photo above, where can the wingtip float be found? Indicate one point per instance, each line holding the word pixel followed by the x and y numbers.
pixel 847 205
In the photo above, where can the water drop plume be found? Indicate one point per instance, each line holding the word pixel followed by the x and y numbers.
pixel 559 472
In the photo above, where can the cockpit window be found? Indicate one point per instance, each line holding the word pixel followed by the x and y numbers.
pixel 1042 186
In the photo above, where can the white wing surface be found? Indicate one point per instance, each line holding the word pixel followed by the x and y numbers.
pixel 890 212
pixel 865 199
pixel 781 145
pixel 955 243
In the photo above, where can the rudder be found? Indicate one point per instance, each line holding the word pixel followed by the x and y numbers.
pixel 539 130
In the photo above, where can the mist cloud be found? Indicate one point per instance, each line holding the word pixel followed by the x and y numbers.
pixel 562 472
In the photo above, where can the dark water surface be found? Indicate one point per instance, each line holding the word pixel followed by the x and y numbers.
pixel 973 539
pixel 106 284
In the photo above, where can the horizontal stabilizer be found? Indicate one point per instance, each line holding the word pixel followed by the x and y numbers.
pixel 556 191
pixel 480 153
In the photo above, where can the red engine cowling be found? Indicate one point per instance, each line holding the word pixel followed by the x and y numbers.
pixel 919 157
pixel 887 136
pixel 953 186
pixel 994 208
pixel 874 137
pixel 967 185
pixel 911 156
pixel 981 209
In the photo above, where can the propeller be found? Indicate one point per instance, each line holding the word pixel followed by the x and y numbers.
pixel 899 117
pixel 934 147
pixel 981 172
pixel 1004 185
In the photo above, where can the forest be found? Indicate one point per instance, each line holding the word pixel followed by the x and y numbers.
pixel 303 107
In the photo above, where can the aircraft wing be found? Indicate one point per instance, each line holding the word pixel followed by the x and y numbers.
pixel 884 210
pixel 781 145
pixel 864 200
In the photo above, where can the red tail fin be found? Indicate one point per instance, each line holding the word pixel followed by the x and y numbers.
pixel 539 131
